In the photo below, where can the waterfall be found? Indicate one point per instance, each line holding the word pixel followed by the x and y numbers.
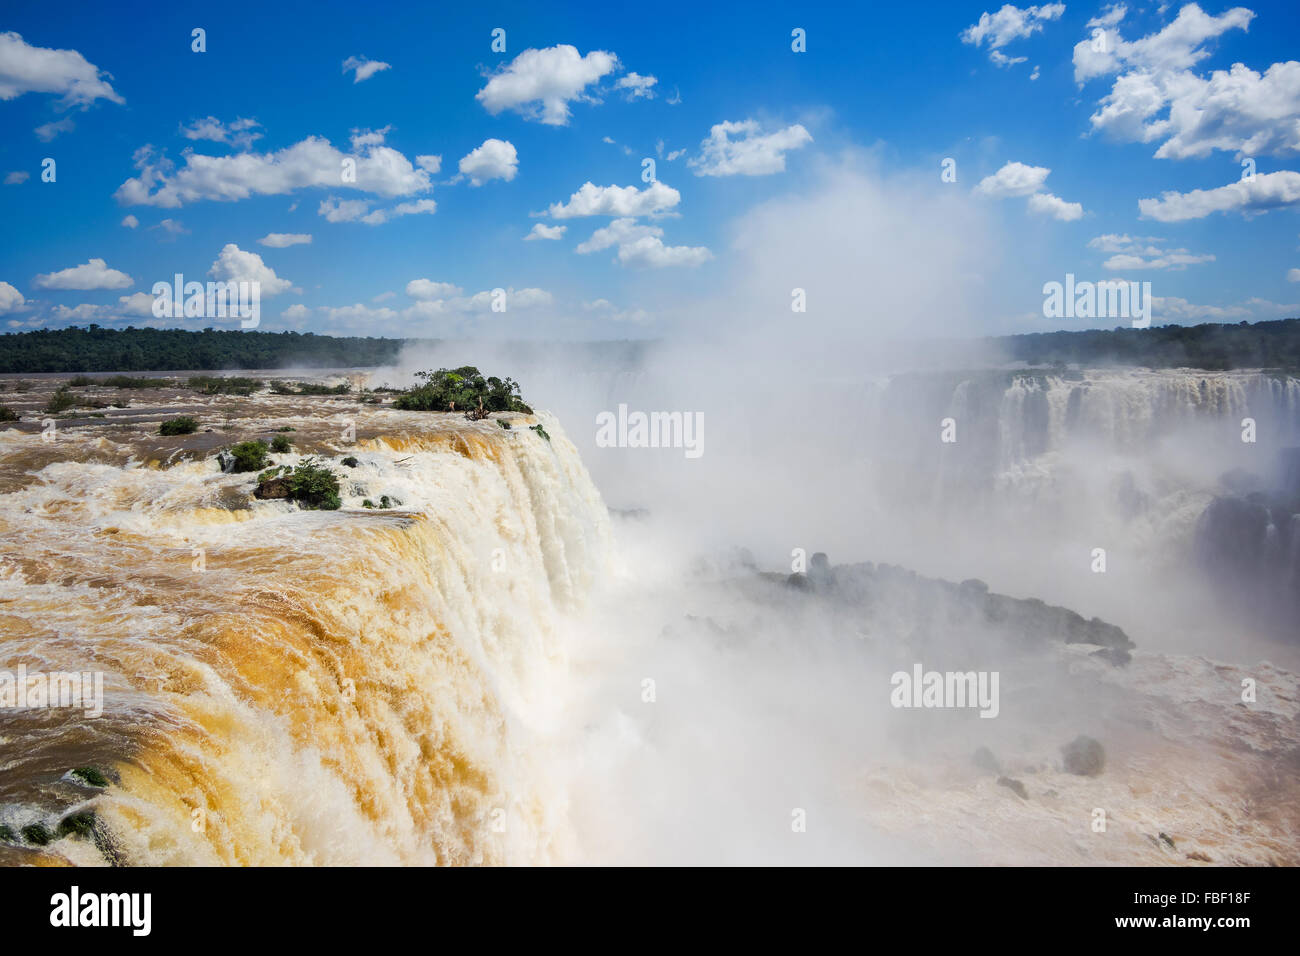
pixel 284 686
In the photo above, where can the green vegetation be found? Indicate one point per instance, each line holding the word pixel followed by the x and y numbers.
pixel 307 388
pixel 232 385
pixel 127 381
pixel 7 414
pixel 184 425
pixel 314 486
pixel 280 445
pixel 503 423
pixel 91 776
pixel 287 428
pixel 6 833
pixel 96 349
pixel 60 401
pixel 1266 345
pixel 37 833
pixel 82 824
pixel 540 430
pixel 384 503
pixel 461 390
pixel 249 456
pixel 81 381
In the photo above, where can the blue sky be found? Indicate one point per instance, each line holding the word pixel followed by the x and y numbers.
pixel 1055 154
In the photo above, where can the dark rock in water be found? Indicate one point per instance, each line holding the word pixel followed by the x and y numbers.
pixel 1113 655
pixel 349 462
pixel 799 582
pixel 1167 839
pixel 273 488
pixel 984 759
pixel 1084 756
pixel 1015 786
pixel 1199 857
pixel 226 461
pixel 1241 482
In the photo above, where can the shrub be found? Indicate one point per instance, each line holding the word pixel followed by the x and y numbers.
pixel 80 381
pixel 280 445
pixel 314 486
pixel 281 388
pixel 540 430
pixel 307 388
pixel 36 833
pixel 503 423
pixel 461 389
pixel 128 381
pixel 231 385
pixel 184 425
pixel 82 824
pixel 249 456
pixel 7 414
pixel 91 776
pixel 60 401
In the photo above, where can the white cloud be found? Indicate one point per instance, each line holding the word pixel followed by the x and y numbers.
pixel 11 300
pixel 279 240
pixel 428 290
pixel 1266 191
pixel 130 221
pixel 540 84
pixel 1048 205
pixel 650 251
pixel 637 86
pixel 138 303
pixel 240 133
pixel 675 154
pixel 94 274
pixel 1293 275
pixel 236 265
pixel 641 245
pixel 543 231
pixel 1013 179
pixel 495 159
pixel 343 210
pixel 173 227
pixel 295 312
pixel 48 131
pixel 1156 97
pixel 17 177
pixel 33 69
pixel 752 155
pixel 432 164
pixel 593 200
pixel 997 58
pixel 996 30
pixel 312 163
pixel 1173 309
pixel 364 68
pixel 1018 179
pixel 1143 252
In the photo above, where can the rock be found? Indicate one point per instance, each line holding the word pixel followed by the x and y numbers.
pixel 273 488
pixel 1084 756
pixel 799 582
pixel 1167 839
pixel 349 462
pixel 1015 786
pixel 226 461
pixel 984 759
pixel 1199 857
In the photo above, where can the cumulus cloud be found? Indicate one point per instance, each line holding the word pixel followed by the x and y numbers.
pixel 279 240
pixel 130 221
pixel 46 132
pixel 1251 198
pixel 753 154
pixel 428 290
pixel 1156 96
pixel 94 274
pixel 11 300
pixel 1046 204
pixel 642 245
pixel 495 159
pixel 543 231
pixel 312 163
pixel 236 265
pixel 996 30
pixel 431 164
pixel 32 69
pixel 240 133
pixel 1143 252
pixel 593 200
pixel 637 86
pixel 1018 179
pixel 138 303
pixel 540 84
pixel 362 68
pixel 1293 275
